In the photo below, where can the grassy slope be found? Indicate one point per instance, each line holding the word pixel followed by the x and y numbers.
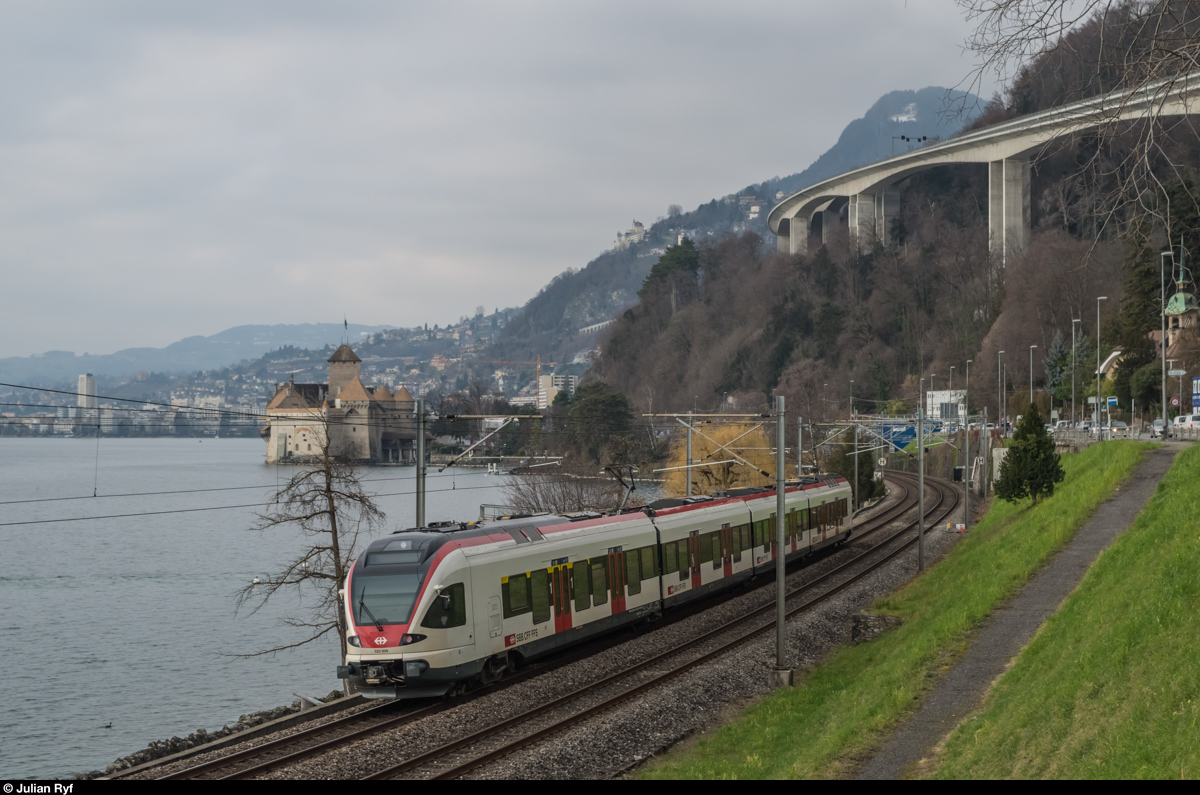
pixel 1110 686
pixel 842 709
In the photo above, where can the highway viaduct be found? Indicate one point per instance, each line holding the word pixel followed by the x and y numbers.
pixel 1007 148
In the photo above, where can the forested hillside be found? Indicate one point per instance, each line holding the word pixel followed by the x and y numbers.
pixel 549 323
pixel 732 320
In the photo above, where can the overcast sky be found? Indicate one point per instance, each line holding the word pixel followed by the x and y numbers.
pixel 170 169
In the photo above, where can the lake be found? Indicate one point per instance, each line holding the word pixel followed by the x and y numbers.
pixel 129 620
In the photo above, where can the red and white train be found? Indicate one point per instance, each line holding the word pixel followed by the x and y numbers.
pixel 432 609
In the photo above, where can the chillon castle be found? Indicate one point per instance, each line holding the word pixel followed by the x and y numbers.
pixel 363 425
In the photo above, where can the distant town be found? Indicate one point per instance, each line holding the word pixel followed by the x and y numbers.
pixel 427 362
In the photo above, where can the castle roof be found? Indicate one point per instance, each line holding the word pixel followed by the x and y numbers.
pixel 354 390
pixel 403 396
pixel 344 354
pixel 382 393
pixel 288 398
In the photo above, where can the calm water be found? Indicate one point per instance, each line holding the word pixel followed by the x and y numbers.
pixel 129 620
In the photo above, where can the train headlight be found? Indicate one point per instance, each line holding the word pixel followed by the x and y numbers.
pixel 354 641
pixel 407 639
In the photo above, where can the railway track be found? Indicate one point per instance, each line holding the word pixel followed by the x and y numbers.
pixel 464 759
pixel 313 741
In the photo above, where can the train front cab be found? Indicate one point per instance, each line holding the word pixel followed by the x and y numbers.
pixel 423 605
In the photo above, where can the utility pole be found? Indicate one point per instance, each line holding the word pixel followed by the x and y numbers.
pixel 799 447
pixel 921 481
pixel 421 462
pixel 1099 427
pixel 967 447
pixel 985 455
pixel 1162 276
pixel 1073 420
pixel 999 389
pixel 854 419
pixel 782 675
pixel 688 489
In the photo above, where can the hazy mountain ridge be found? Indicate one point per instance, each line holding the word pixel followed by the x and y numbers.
pixel 219 350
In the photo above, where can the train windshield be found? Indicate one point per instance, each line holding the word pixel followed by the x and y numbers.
pixel 384 598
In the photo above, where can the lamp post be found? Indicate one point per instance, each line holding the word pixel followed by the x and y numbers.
pixel 952 387
pixel 1162 274
pixel 921 481
pixel 1098 426
pixel 1073 322
pixel 854 491
pixel 999 390
pixel 967 447
pixel 1031 347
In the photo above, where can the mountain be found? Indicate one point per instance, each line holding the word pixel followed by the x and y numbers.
pixel 192 353
pixel 549 323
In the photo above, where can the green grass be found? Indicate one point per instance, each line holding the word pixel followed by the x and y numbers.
pixel 836 714
pixel 1110 686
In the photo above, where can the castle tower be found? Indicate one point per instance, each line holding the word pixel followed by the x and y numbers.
pixel 343 368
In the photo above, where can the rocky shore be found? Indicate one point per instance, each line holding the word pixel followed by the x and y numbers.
pixel 160 748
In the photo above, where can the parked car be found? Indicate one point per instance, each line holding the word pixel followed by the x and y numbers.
pixel 1062 425
pixel 1187 421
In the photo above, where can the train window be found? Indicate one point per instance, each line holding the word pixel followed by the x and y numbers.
pixel 647 554
pixel 685 558
pixel 633 571
pixel 449 609
pixel 670 560
pixel 540 582
pixel 744 532
pixel 735 537
pixel 716 550
pixel 709 547
pixel 583 585
pixel 515 592
pixel 804 520
pixel 599 581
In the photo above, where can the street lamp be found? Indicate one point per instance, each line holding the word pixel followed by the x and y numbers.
pixel 1031 347
pixel 1073 322
pixel 952 387
pixel 999 389
pixel 1162 275
pixel 1100 429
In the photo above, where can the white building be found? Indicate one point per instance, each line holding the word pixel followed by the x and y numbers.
pixel 86 398
pixel 550 385
pixel 946 405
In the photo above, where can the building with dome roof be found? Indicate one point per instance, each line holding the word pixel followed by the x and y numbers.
pixel 375 426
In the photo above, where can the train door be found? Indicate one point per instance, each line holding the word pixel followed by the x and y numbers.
pixel 494 619
pixel 727 549
pixel 693 548
pixel 616 578
pixel 560 584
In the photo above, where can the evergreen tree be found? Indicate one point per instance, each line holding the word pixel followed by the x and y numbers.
pixel 1057 363
pixel 1141 300
pixel 1030 467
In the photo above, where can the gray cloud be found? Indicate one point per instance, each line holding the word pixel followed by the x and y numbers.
pixel 173 170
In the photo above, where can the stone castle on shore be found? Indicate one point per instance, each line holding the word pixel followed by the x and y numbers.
pixel 361 424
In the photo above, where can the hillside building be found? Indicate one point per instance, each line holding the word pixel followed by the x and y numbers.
pixel 364 425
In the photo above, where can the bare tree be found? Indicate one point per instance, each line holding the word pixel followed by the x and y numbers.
pixel 326 504
pixel 1137 51
pixel 565 492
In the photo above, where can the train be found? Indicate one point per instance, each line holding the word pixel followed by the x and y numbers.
pixel 440 609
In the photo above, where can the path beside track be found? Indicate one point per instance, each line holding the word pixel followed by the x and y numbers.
pixel 958 693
